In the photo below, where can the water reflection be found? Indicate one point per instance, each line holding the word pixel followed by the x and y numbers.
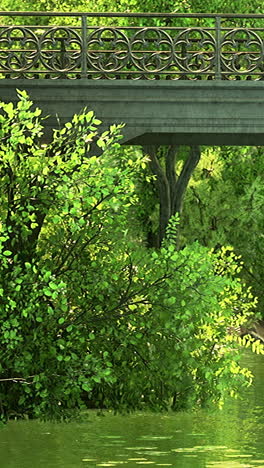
pixel 231 438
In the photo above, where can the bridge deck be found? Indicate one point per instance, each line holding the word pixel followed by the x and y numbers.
pixel 157 112
pixel 172 83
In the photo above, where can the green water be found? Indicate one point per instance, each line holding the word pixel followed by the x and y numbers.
pixel 231 438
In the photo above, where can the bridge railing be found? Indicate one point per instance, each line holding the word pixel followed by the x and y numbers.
pixel 131 46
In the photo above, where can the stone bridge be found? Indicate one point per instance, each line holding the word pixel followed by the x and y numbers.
pixel 172 79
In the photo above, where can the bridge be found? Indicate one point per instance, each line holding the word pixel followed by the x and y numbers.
pixel 191 79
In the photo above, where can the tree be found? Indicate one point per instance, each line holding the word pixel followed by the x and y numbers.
pixel 224 206
pixel 170 186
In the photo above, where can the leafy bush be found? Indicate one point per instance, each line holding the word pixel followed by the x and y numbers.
pixel 89 317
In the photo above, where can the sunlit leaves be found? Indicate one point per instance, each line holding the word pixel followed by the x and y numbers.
pixel 223 207
pixel 87 310
pixel 49 196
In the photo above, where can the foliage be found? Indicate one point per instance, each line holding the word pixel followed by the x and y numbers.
pixel 132 6
pixel 185 6
pixel 181 354
pixel 89 317
pixel 54 205
pixel 224 206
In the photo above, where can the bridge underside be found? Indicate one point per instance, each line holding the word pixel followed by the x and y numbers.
pixel 155 112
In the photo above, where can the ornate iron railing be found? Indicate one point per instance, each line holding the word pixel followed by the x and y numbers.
pixel 131 46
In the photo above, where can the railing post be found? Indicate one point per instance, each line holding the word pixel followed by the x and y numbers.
pixel 218 74
pixel 84 47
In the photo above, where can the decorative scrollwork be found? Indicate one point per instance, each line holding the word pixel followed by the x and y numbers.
pixel 205 50
pixel 108 50
pixel 195 50
pixel 19 49
pixel 151 50
pixel 61 49
pixel 242 51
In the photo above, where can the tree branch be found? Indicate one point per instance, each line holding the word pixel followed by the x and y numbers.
pixel 184 178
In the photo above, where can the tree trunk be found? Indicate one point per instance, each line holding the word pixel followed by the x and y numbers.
pixel 171 188
pixel 163 190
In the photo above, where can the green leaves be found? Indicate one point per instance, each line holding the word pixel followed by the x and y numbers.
pixel 9 109
pixel 7 253
pixel 60 217
pixel 85 306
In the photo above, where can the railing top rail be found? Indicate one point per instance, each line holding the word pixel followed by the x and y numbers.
pixel 128 15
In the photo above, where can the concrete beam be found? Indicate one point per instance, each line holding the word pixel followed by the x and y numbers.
pixel 156 112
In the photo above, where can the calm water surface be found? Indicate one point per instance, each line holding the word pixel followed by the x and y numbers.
pixel 231 438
